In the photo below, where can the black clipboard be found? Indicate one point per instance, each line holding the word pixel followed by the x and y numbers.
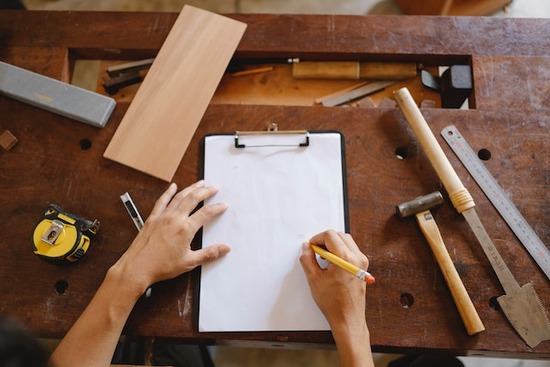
pixel 282 188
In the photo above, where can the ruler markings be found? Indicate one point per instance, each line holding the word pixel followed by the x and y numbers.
pixel 498 197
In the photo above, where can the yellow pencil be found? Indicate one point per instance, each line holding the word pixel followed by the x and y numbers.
pixel 358 272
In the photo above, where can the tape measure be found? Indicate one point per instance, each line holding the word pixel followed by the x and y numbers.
pixel 498 198
pixel 62 237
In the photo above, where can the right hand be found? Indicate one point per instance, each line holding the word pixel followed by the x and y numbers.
pixel 340 296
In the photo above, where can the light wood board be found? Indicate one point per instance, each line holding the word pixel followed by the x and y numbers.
pixel 159 124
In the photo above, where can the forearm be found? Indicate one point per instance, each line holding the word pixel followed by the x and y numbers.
pixel 353 344
pixel 161 250
pixel 91 341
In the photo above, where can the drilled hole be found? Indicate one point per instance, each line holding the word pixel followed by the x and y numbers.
pixel 406 300
pixel 401 153
pixel 493 303
pixel 484 154
pixel 85 144
pixel 61 286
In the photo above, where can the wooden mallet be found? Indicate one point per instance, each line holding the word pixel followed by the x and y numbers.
pixel 420 207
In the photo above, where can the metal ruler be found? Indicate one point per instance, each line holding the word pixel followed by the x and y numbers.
pixel 498 197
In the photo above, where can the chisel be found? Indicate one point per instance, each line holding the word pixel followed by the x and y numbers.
pixel 521 305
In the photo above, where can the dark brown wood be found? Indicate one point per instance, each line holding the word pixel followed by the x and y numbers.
pixel 50 163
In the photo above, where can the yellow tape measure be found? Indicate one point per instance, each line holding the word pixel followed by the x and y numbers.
pixel 62 237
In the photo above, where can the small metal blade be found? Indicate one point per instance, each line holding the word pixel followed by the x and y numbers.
pixel 502 271
pixel 527 315
pixel 521 305
pixel 358 93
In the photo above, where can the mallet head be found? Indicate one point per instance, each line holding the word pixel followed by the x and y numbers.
pixel 419 204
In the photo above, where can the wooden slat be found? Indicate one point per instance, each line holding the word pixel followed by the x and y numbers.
pixel 166 110
pixel 47 166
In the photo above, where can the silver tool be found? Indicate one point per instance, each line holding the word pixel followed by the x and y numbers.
pixel 498 197
pixel 136 218
pixel 55 96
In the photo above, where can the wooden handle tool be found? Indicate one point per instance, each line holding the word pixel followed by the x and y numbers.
pixel 460 197
pixel 420 207
pixel 353 70
pixel 464 304
pixel 521 305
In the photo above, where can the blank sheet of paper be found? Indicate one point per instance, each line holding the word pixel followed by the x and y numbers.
pixel 279 196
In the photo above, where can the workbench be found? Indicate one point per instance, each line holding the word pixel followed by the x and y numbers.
pixel 409 309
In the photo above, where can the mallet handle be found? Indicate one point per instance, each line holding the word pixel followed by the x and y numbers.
pixel 459 195
pixel 464 304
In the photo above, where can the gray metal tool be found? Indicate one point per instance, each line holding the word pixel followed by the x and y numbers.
pixel 55 96
pixel 521 305
pixel 454 85
pixel 360 92
pixel 532 243
pixel 420 208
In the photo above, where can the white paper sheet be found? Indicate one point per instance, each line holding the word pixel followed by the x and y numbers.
pixel 278 196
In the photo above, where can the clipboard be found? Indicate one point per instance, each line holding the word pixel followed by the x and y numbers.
pixel 282 187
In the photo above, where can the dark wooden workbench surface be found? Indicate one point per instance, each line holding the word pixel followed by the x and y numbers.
pixel 54 162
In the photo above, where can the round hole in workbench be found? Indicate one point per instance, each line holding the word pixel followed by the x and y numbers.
pixel 401 153
pixel 484 154
pixel 85 144
pixel 493 303
pixel 61 286
pixel 406 300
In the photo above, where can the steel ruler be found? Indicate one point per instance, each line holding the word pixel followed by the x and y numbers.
pixel 498 198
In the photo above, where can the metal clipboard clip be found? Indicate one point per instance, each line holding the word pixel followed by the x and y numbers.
pixel 272 137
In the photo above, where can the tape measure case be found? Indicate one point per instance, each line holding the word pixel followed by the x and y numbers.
pixel 62 237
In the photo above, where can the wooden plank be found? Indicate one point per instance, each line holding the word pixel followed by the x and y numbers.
pixel 515 133
pixel 160 122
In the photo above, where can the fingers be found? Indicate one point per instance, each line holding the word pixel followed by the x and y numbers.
pixel 187 200
pixel 184 201
pixel 163 201
pixel 340 244
pixel 208 254
pixel 203 216
pixel 308 262
pixel 180 196
pixel 332 240
pixel 180 205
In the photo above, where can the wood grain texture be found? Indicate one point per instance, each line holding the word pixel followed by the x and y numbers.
pixel 51 164
pixel 464 305
pixel 167 108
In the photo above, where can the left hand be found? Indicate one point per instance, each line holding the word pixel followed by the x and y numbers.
pixel 162 250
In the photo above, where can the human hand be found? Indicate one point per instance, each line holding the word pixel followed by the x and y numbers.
pixel 338 294
pixel 162 249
